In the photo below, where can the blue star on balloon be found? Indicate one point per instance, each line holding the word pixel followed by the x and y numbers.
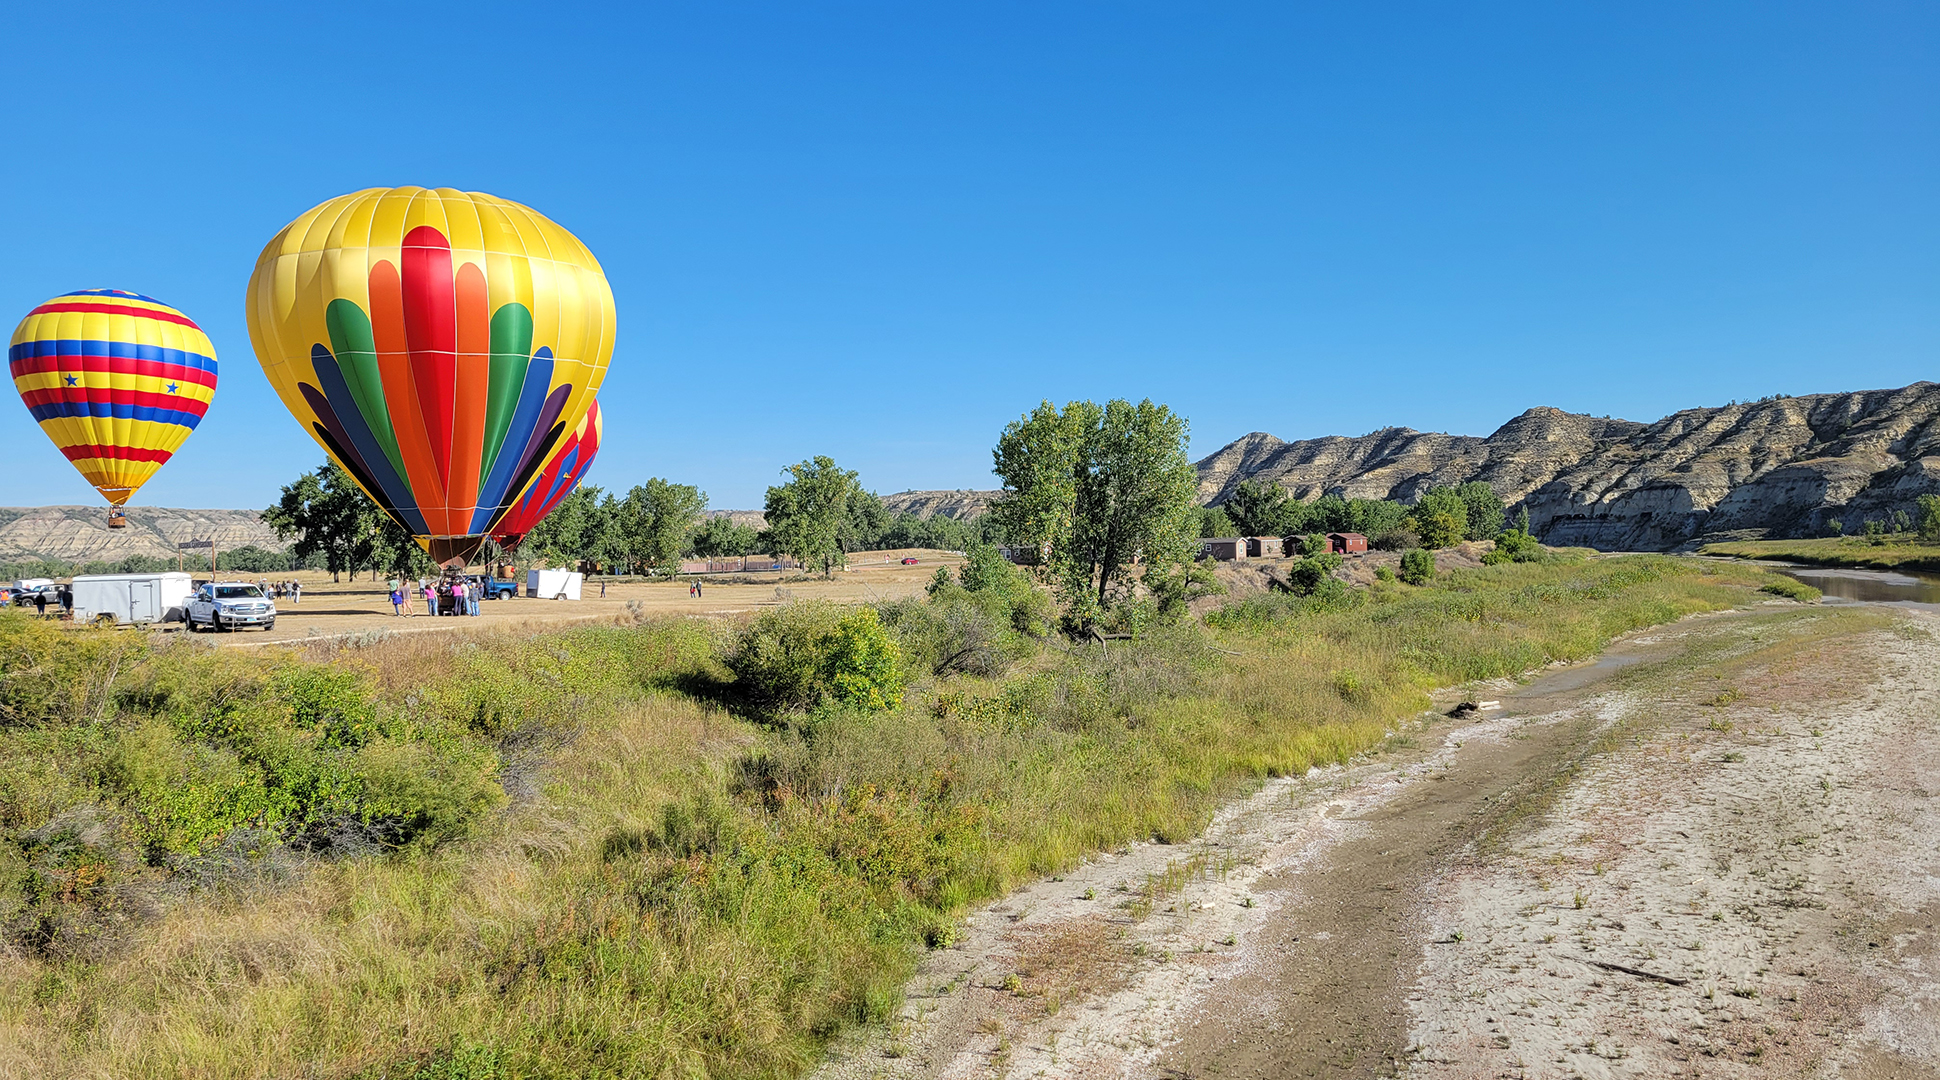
pixel 73 380
pixel 171 388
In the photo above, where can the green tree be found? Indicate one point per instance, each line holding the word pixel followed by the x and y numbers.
pixel 719 537
pixel 1927 515
pixel 1259 508
pixel 654 520
pixel 866 523
pixel 808 515
pixel 1215 521
pixel 1417 567
pixel 1484 511
pixel 328 515
pixel 1096 488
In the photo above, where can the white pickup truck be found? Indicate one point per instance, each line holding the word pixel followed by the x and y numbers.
pixel 221 605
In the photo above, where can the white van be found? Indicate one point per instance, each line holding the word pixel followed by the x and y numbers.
pixel 131 599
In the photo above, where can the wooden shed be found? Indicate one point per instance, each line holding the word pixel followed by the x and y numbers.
pixel 1266 547
pixel 1223 549
pixel 1347 543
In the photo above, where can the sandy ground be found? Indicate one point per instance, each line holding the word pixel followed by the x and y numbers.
pixel 330 609
pixel 1711 853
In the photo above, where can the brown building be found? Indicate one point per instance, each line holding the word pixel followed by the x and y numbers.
pixel 1347 543
pixel 1266 547
pixel 1223 549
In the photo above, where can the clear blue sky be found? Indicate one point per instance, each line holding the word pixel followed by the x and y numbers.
pixel 882 232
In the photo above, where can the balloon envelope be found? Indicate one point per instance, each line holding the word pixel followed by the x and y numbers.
pixel 439 344
pixel 116 379
pixel 558 477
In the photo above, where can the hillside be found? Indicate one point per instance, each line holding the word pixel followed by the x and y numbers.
pixel 1768 469
pixel 80 534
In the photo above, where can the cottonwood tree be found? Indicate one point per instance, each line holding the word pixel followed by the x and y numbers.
pixel 654 521
pixel 332 518
pixel 721 537
pixel 809 515
pixel 1094 488
pixel 1260 508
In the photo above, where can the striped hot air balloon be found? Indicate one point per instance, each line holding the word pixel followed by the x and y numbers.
pixel 116 379
pixel 439 344
pixel 557 478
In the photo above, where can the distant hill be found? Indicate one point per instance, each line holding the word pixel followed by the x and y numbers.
pixel 961 505
pixel 1776 468
pixel 80 534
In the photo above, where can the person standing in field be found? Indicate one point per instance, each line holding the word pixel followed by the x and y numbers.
pixel 40 604
pixel 430 598
pixel 397 602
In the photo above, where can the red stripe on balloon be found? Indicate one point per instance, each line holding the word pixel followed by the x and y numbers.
pixel 85 451
pixel 116 309
pixel 96 395
pixel 40 365
pixel 430 314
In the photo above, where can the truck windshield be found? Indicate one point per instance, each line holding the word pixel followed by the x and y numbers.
pixel 238 592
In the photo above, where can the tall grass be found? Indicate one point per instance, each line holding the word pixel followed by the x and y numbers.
pixel 666 890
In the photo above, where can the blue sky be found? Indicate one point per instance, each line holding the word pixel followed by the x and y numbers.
pixel 880 232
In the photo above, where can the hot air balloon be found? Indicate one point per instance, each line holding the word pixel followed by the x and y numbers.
pixel 439 344
pixel 117 380
pixel 557 478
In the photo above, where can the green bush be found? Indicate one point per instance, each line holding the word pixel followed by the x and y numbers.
pixel 1514 545
pixel 1311 574
pixel 1417 567
pixel 811 653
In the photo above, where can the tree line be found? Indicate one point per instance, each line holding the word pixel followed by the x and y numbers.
pixel 816 516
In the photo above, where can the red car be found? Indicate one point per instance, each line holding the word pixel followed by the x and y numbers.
pixel 909 562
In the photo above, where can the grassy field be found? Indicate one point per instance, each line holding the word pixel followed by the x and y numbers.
pixel 1903 552
pixel 569 854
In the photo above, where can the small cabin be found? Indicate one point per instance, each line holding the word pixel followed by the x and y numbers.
pixel 1223 549
pixel 1347 543
pixel 1266 547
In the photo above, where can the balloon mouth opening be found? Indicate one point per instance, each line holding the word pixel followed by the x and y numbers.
pixel 453 552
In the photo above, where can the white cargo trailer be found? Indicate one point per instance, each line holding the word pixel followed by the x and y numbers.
pixel 131 599
pixel 553 584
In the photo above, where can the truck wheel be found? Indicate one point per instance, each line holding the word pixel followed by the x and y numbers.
pixel 270 625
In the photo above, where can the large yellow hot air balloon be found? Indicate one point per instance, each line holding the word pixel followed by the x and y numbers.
pixel 438 343
pixel 117 380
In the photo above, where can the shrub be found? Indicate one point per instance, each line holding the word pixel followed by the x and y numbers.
pixel 1514 545
pixel 809 653
pixel 1400 538
pixel 1312 573
pixel 1382 573
pixel 1417 567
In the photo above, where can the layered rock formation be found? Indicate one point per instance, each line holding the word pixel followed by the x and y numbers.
pixel 80 534
pixel 1775 468
pixel 962 505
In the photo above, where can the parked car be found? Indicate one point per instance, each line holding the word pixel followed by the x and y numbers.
pixel 226 605
pixel 491 588
pixel 911 561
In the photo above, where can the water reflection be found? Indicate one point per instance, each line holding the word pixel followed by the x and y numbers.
pixel 1870 586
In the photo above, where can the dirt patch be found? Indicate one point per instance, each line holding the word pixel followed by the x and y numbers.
pixel 1712 852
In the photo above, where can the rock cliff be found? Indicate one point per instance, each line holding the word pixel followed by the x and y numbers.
pixel 80 534
pixel 1775 468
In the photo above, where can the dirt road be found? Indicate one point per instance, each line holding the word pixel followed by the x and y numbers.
pixel 1711 853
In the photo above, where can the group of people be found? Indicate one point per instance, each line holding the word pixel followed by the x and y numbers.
pixel 282 590
pixel 450 597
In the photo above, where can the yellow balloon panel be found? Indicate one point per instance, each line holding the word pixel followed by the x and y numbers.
pixel 437 343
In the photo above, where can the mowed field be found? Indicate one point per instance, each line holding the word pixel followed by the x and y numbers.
pixel 335 608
